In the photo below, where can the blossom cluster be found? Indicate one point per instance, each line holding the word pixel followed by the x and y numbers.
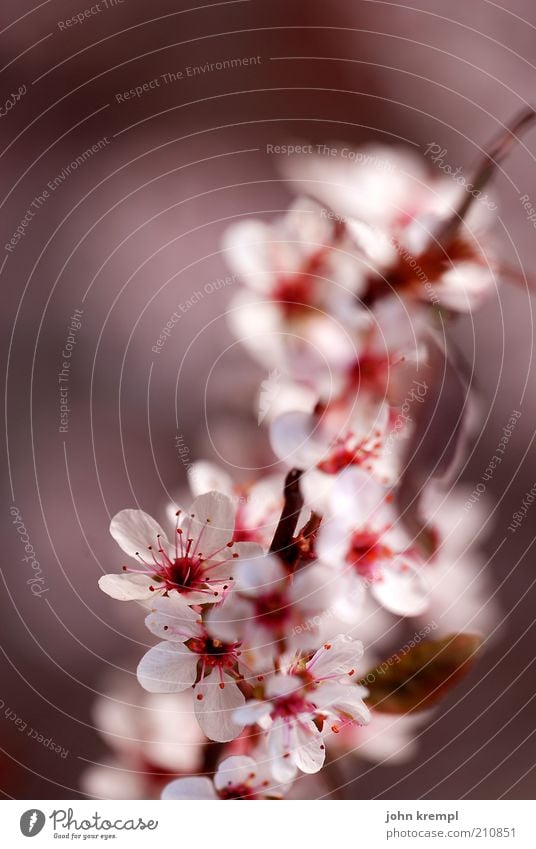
pixel 258 592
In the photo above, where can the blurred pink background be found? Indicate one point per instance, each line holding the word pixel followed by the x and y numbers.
pixel 134 231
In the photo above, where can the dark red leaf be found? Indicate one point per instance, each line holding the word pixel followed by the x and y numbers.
pixel 416 678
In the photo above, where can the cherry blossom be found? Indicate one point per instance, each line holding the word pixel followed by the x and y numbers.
pixel 343 298
pixel 257 503
pixel 293 260
pixel 303 696
pixel 335 437
pixel 189 656
pixel 364 540
pixel 270 610
pixel 237 777
pixel 198 564
pixel 406 209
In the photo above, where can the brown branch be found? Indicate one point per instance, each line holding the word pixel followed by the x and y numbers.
pixel 499 148
pixel 283 541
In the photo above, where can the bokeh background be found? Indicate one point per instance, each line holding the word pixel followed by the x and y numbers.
pixel 134 231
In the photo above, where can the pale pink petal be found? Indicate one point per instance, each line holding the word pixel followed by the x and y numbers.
pixel 313 588
pixel 248 550
pixel 282 685
pixel 258 325
pixel 401 590
pixel 332 542
pixel 249 253
pixel 210 522
pixel 217 706
pixel 207 477
pixel 126 586
pixel 308 750
pixel 228 621
pixel 167 668
pixel 463 287
pixel 337 698
pixel 350 598
pixel 172 619
pixel 280 739
pixel 251 712
pixel 135 531
pixel 298 440
pixel 357 497
pixel 235 771
pixel 377 183
pixel 317 488
pixel 264 501
pixel 337 658
pixel 197 787
pixel 287 397
pixel 260 576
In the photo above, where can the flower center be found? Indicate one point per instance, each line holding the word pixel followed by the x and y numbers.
pixel 409 274
pixel 214 652
pixel 370 371
pixel 364 553
pixel 239 791
pixel 294 292
pixel 184 573
pixel 273 609
pixel 291 706
pixel 347 451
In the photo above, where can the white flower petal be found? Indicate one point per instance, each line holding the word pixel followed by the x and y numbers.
pixel 217 707
pixel 213 524
pixel 127 586
pixel 298 439
pixel 332 542
pixel 251 712
pixel 197 787
pixel 235 771
pixel 167 668
pixel 264 500
pixel 401 590
pixel 135 531
pixel 282 685
pixel 335 698
pixel 357 497
pixel 312 589
pixel 250 253
pixel 280 739
pixel 462 287
pixel 228 621
pixel 260 576
pixel 257 324
pixel 207 477
pixel 308 750
pixel 338 657
pixel 172 619
pixel 350 598
pixel 317 489
pixel 248 550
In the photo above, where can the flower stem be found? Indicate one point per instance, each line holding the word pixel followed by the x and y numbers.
pixel 283 542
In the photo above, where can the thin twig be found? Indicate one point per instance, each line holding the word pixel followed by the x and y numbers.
pixel 283 541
